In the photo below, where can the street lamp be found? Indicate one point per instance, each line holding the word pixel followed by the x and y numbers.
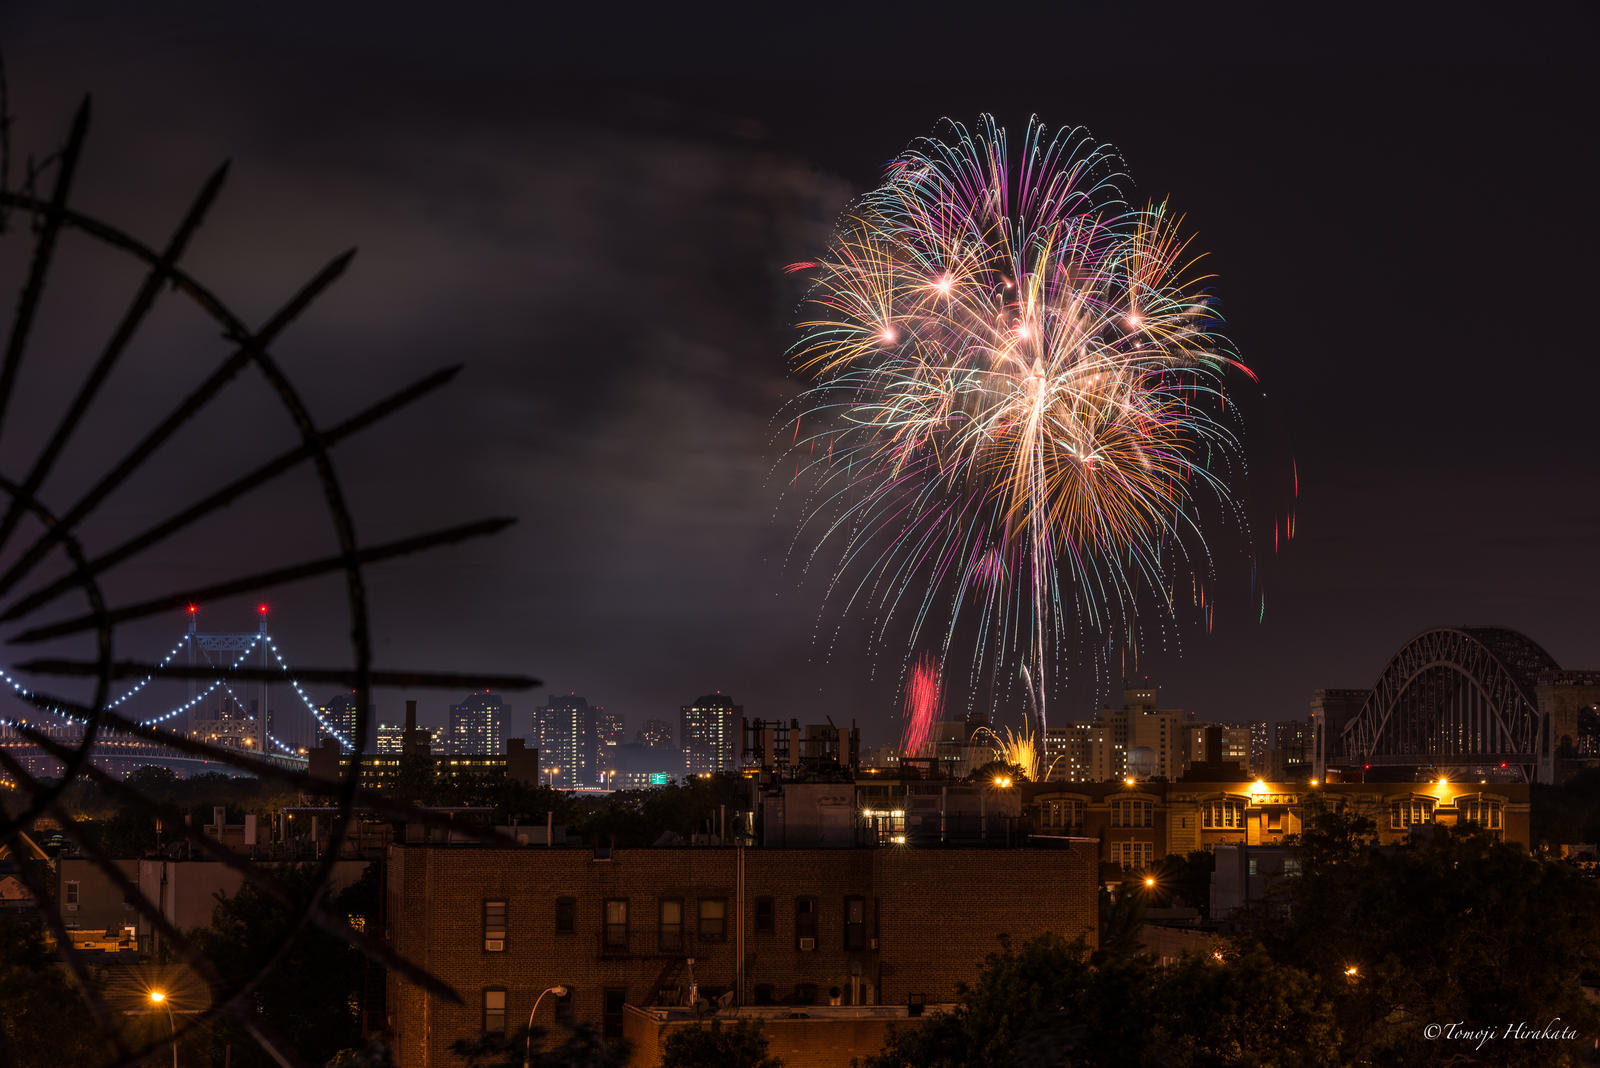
pixel 527 1053
pixel 159 997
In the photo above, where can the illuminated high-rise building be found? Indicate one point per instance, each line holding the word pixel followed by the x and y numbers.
pixel 1139 724
pixel 478 725
pixel 608 737
pixel 339 713
pixel 566 732
pixel 707 730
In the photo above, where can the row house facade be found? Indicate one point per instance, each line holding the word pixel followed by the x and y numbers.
pixel 1138 823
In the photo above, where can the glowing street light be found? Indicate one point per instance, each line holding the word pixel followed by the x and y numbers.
pixel 527 1053
pixel 159 997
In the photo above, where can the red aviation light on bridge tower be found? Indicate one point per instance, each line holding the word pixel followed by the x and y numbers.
pixel 262 609
pixel 193 608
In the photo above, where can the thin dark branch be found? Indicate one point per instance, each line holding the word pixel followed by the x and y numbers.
pixel 143 301
pixel 277 577
pixel 249 348
pixel 43 250
pixel 227 494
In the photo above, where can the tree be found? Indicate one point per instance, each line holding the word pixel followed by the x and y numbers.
pixel 1043 1005
pixel 997 769
pixel 742 1045
pixel 43 1019
pixel 1054 1003
pixel 1244 1010
pixel 1451 926
pixel 310 997
pixel 582 1048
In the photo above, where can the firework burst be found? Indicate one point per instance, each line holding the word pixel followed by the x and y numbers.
pixel 1016 398
pixel 924 702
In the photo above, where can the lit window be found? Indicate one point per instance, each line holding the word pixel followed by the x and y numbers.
pixel 670 934
pixel 1061 814
pixel 1131 813
pixel 1222 815
pixel 494 926
pixel 1403 814
pixel 494 1010
pixel 1486 814
pixel 1133 856
pixel 713 919
pixel 616 932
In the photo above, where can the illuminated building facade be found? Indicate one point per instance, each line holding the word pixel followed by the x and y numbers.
pixel 708 728
pixel 478 724
pixel 566 730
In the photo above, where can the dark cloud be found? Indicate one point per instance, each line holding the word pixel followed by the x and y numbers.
pixel 597 224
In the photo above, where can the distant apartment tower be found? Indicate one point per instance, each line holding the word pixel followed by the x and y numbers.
pixel 609 735
pixel 1233 744
pixel 1139 724
pixel 1260 743
pixel 655 734
pixel 1293 751
pixel 954 750
pixel 339 714
pixel 566 731
pixel 478 725
pixel 1078 752
pixel 707 730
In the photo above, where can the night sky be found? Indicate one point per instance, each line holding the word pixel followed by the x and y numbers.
pixel 594 218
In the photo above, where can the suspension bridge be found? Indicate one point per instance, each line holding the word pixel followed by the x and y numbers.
pixel 270 717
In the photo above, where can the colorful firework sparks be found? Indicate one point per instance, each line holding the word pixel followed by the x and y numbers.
pixel 924 703
pixel 1016 397
pixel 1023 750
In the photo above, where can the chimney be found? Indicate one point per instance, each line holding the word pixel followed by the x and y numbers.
pixel 411 715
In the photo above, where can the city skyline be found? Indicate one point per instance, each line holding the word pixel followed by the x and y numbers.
pixel 624 337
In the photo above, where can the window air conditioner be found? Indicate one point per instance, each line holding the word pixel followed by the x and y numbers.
pixel 72 908
pixel 494 945
pixel 807 945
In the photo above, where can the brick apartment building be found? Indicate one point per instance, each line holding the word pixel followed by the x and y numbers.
pixel 890 926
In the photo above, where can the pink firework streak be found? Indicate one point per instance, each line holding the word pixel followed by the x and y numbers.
pixel 924 702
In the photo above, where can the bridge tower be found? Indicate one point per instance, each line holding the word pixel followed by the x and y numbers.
pixel 221 651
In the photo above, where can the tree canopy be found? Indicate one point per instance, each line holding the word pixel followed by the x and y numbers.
pixel 741 1045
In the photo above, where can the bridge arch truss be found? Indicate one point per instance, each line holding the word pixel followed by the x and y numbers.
pixel 1458 697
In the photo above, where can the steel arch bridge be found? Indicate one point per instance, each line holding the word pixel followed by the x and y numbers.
pixel 1458 697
